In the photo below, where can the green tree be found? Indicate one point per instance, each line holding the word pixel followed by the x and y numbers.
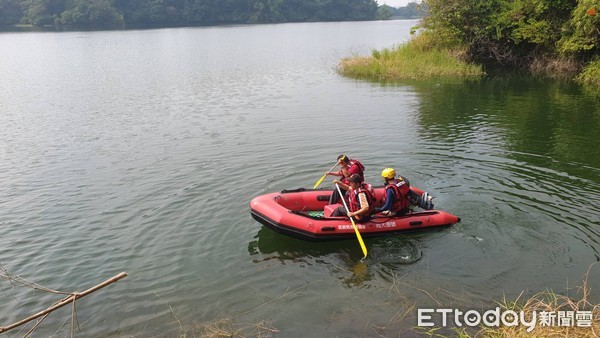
pixel 10 12
pixel 384 12
pixel 133 11
pixel 42 12
pixel 502 31
pixel 582 36
pixel 85 12
pixel 411 11
pixel 266 11
pixel 299 10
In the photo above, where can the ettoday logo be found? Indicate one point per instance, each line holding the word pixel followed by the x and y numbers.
pixel 497 317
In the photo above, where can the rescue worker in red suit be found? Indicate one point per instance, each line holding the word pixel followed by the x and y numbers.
pixel 397 192
pixel 362 199
pixel 348 167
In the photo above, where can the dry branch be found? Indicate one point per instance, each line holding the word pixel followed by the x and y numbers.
pixel 70 299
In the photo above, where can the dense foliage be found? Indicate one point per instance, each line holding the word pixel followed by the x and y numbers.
pixel 518 32
pixel 180 12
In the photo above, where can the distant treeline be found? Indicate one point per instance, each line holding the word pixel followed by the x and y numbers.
pixel 180 12
pixel 411 11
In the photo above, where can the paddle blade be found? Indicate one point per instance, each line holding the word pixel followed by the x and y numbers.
pixel 319 181
pixel 360 240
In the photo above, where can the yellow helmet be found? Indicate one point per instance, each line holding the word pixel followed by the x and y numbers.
pixel 388 173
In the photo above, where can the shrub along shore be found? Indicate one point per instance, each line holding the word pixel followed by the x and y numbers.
pixel 423 58
pixel 420 58
pixel 553 38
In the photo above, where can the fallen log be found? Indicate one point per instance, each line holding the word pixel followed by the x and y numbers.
pixel 72 298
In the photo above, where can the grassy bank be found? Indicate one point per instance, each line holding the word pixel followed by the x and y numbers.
pixel 546 301
pixel 590 76
pixel 424 57
pixel 550 303
pixel 417 59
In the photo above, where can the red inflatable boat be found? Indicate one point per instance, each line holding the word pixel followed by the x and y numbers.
pixel 304 214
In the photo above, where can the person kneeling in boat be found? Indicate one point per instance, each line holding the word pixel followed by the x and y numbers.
pixel 397 192
pixel 362 199
pixel 348 167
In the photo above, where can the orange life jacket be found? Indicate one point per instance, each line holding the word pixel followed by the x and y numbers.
pixel 355 201
pixel 401 191
pixel 361 170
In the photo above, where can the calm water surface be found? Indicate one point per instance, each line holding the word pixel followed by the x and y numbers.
pixel 139 151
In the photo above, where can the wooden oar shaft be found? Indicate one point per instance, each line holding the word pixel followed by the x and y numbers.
pixel 335 165
pixel 360 240
pixel 342 198
pixel 323 177
pixel 64 302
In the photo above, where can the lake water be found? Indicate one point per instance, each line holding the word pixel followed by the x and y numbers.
pixel 140 150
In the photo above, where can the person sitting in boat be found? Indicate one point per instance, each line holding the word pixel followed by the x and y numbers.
pixel 397 194
pixel 400 186
pixel 348 167
pixel 362 199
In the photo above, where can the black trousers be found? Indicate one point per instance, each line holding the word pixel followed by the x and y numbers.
pixel 335 197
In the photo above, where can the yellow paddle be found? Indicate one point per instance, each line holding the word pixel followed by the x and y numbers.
pixel 322 178
pixel 360 240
